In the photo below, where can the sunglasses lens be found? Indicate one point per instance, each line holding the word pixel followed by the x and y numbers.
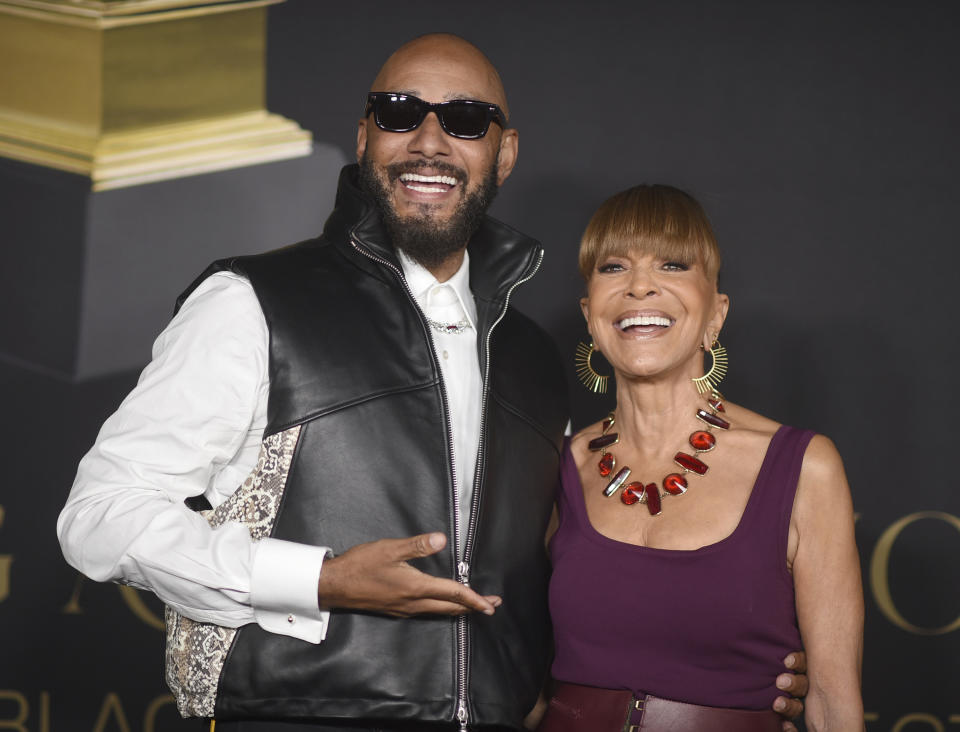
pixel 400 113
pixel 397 114
pixel 462 119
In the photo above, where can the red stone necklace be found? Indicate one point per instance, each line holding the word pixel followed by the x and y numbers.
pixel 674 484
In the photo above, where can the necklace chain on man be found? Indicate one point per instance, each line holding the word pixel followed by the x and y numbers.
pixel 448 328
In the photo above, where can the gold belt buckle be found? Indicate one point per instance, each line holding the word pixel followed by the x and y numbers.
pixel 638 705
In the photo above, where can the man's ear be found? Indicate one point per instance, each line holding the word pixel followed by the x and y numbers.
pixel 509 141
pixel 361 138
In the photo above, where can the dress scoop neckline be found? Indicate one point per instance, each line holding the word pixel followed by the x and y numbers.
pixel 593 534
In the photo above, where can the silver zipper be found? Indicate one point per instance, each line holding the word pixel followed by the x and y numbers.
pixel 463 575
pixel 462 716
pixel 464 566
pixel 475 502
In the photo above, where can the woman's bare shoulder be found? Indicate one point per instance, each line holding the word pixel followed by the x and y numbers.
pixel 821 458
pixel 822 455
pixel 750 424
pixel 823 499
pixel 822 471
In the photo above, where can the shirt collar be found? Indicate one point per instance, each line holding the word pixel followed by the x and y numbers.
pixel 422 283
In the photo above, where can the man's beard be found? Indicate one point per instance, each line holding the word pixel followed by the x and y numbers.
pixel 422 237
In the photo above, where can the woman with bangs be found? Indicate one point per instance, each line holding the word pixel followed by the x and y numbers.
pixel 697 543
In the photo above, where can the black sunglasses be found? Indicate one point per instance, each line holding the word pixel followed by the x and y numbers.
pixel 463 118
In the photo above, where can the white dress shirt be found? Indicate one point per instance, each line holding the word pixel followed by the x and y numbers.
pixel 452 302
pixel 192 425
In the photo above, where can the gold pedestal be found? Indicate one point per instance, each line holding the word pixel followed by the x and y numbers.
pixel 130 91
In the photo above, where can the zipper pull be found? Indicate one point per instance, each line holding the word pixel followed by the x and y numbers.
pixel 462 715
pixel 463 573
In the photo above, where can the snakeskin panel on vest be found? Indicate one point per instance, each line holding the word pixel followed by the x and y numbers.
pixel 372 459
pixel 197 651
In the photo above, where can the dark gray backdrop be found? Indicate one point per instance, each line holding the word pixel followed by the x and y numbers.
pixel 820 136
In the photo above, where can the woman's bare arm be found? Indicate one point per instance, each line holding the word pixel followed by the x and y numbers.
pixel 826 573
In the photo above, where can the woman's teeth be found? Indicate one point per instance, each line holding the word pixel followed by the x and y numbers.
pixel 643 320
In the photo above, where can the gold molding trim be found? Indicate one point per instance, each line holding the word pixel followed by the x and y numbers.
pixel 122 159
pixel 100 15
pixel 116 7
pixel 128 99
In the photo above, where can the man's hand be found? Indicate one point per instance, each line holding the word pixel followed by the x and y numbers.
pixel 376 577
pixel 794 684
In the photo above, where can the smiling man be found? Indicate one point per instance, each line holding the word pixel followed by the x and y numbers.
pixel 370 392
pixel 434 183
pixel 394 428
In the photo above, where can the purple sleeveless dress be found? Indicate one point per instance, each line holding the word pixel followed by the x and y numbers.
pixel 709 626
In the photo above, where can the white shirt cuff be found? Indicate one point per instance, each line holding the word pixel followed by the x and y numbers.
pixel 283 589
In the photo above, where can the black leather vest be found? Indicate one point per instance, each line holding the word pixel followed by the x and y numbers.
pixel 351 363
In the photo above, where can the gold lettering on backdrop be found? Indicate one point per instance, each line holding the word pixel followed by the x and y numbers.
pixel 139 608
pixel 934 723
pixel 5 561
pixel 131 597
pixel 44 711
pixel 150 716
pixel 930 720
pixel 18 721
pixel 111 703
pixel 110 718
pixel 880 570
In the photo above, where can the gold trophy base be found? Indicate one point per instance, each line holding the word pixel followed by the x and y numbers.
pixel 132 91
pixel 119 159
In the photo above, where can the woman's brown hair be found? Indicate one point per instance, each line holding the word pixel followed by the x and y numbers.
pixel 651 219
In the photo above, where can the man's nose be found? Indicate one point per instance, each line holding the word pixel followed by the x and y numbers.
pixel 429 139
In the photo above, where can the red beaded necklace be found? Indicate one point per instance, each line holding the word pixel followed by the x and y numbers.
pixel 674 484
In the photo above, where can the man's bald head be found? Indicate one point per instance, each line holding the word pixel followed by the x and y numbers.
pixel 433 187
pixel 439 54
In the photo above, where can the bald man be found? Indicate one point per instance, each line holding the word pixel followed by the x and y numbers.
pixel 395 429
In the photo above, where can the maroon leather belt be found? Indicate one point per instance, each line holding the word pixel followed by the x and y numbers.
pixel 575 708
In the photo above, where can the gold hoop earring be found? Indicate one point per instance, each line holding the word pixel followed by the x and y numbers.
pixel 718 369
pixel 597 383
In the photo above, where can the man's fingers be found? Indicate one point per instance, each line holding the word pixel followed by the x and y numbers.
pixel 376 576
pixel 788 708
pixel 796 662
pixel 433 607
pixel 494 600
pixel 422 545
pixel 463 595
pixel 459 601
pixel 793 684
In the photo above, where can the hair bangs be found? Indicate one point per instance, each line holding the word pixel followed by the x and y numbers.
pixel 656 220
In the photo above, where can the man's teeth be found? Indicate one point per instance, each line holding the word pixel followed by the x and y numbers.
pixel 415 178
pixel 644 320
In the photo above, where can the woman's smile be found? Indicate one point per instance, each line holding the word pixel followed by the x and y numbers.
pixel 644 323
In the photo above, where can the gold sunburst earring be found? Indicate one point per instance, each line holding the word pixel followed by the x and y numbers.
pixel 718 369
pixel 597 383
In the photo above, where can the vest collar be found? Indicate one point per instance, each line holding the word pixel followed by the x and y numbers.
pixel 499 255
